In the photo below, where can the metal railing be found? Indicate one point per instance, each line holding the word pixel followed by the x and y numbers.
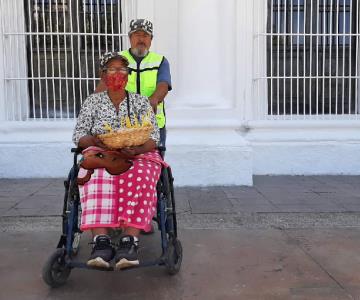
pixel 61 43
pixel 307 62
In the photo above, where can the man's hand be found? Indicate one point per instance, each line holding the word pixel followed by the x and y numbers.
pixel 154 103
pixel 159 94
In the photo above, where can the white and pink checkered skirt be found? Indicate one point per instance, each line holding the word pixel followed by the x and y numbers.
pixel 125 200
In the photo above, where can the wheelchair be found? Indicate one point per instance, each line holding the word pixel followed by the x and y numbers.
pixel 59 265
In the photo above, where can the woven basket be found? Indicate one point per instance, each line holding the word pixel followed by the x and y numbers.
pixel 126 137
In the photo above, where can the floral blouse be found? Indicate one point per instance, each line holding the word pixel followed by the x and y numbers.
pixel 97 110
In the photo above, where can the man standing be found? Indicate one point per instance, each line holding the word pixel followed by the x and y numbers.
pixel 149 71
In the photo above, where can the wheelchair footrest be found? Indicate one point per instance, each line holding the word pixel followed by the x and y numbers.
pixel 82 265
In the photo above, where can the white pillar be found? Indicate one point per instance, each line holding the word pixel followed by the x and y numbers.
pixel 14 61
pixel 357 55
pixel 206 47
pixel 166 40
pixel 244 62
pixel 2 70
pixel 145 9
pixel 200 40
pixel 259 86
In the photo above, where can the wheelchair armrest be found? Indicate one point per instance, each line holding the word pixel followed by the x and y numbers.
pixel 162 150
pixel 76 150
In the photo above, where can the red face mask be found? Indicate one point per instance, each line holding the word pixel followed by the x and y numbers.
pixel 116 82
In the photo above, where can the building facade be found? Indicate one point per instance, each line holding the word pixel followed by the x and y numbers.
pixel 259 86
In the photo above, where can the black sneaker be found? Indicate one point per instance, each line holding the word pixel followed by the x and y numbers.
pixel 126 254
pixel 101 253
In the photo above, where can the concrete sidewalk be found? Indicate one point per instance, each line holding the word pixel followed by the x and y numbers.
pixel 287 237
pixel 270 194
pixel 290 201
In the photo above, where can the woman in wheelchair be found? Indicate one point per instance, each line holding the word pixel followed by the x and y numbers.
pixel 127 200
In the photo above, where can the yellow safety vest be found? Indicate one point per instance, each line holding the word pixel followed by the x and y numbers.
pixel 143 79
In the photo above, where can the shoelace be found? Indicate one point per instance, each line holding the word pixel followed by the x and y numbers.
pixel 127 244
pixel 101 245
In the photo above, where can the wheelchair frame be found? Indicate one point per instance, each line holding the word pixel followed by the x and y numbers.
pixel 58 267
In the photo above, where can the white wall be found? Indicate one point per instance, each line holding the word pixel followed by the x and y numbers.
pixel 304 147
pixel 206 156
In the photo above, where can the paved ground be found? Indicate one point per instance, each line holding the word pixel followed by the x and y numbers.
pixel 285 238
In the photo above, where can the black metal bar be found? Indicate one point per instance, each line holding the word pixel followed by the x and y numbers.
pixel 82 265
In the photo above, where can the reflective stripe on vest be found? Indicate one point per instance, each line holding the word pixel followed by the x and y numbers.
pixel 143 79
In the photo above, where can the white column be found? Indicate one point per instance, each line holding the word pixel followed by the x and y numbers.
pixel 259 86
pixel 2 75
pixel 206 48
pixel 357 55
pixel 145 9
pixel 199 39
pixel 244 58
pixel 16 97
pixel 166 39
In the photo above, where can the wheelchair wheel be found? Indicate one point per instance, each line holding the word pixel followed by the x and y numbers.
pixel 55 272
pixel 172 248
pixel 173 256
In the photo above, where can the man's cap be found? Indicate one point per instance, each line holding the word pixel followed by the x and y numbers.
pixel 141 24
pixel 106 57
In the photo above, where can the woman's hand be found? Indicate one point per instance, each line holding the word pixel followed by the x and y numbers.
pixel 129 151
pixel 90 140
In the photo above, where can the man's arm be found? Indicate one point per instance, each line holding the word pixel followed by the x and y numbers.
pixel 159 94
pixel 163 85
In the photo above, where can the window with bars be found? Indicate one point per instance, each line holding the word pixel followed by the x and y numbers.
pixel 98 16
pixel 313 57
pixel 64 42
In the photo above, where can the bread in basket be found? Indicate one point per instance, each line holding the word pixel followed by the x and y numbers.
pixel 128 136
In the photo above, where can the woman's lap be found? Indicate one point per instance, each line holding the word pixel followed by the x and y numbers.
pixel 125 200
